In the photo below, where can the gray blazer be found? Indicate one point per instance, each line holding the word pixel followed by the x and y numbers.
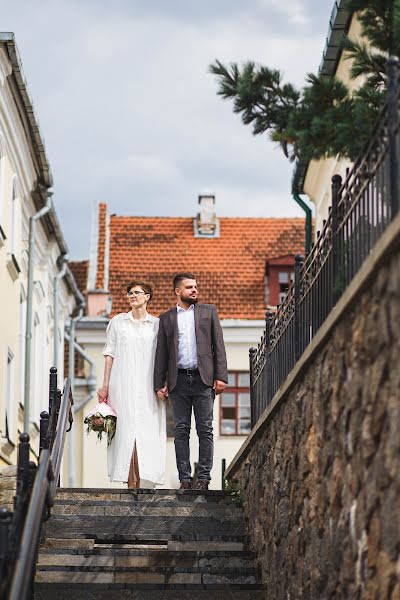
pixel 211 355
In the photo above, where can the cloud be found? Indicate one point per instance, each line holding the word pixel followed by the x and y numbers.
pixel 130 114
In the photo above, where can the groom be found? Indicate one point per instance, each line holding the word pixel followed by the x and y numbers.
pixel 190 367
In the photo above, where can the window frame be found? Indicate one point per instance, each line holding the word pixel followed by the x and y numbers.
pixel 282 293
pixel 236 390
pixel 22 345
pixel 14 217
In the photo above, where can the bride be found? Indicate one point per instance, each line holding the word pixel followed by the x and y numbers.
pixel 136 455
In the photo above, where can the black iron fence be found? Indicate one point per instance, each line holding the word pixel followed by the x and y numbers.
pixel 36 487
pixel 362 207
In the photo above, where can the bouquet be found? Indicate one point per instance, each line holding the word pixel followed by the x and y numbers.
pixel 102 419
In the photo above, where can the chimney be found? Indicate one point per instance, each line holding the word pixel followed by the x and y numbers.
pixel 206 222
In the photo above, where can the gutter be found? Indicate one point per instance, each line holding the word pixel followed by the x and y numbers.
pixel 91 382
pixel 70 279
pixel 307 210
pixel 71 357
pixel 63 259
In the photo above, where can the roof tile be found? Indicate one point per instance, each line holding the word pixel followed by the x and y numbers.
pixel 229 270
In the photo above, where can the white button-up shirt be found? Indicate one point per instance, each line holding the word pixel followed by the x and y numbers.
pixel 187 347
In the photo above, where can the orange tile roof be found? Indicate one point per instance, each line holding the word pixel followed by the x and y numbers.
pixel 79 270
pixel 229 270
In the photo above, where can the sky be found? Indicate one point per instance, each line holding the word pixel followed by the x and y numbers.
pixel 129 111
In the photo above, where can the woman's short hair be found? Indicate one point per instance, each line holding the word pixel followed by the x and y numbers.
pixel 145 285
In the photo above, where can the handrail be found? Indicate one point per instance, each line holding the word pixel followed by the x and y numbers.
pixel 43 491
pixel 25 564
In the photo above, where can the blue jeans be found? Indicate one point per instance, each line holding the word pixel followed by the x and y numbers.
pixel 190 392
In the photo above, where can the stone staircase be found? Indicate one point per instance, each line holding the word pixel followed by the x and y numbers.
pixel 146 545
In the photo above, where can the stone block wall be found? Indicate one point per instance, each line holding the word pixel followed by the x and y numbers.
pixel 321 481
pixel 8 484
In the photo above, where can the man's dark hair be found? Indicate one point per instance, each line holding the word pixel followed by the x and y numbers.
pixel 180 277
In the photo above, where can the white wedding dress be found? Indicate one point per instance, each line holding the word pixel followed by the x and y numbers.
pixel 140 414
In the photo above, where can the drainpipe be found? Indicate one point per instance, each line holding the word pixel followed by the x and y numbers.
pixel 63 260
pixel 71 471
pixel 29 300
pixel 91 383
pixel 308 212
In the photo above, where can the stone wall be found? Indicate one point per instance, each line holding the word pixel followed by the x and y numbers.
pixel 321 480
pixel 8 484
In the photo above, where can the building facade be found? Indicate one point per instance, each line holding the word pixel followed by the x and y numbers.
pixel 25 191
pixel 242 265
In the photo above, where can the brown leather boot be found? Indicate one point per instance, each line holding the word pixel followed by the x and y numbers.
pixel 202 485
pixel 186 485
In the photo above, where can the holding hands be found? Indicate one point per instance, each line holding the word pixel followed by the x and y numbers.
pixel 219 386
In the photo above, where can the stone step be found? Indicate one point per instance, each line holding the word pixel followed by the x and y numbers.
pixel 85 545
pixel 56 591
pixel 142 509
pixel 143 495
pixel 147 545
pixel 169 574
pixel 144 528
pixel 145 577
pixel 139 558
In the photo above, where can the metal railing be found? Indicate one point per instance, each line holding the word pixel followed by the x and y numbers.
pixel 362 208
pixel 36 488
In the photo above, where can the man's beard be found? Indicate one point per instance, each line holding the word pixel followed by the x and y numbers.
pixel 190 300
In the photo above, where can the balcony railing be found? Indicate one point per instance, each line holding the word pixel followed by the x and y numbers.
pixel 363 205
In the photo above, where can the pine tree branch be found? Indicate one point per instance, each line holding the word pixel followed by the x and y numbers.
pixel 324 118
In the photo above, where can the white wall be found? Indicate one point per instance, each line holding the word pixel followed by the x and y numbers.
pixel 18 171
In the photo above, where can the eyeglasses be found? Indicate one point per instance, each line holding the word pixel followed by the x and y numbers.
pixel 130 294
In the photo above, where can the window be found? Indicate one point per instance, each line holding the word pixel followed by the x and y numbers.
pixel 13 231
pixel 37 356
pixel 285 279
pixel 9 393
pixel 12 263
pixel 22 321
pixel 235 405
